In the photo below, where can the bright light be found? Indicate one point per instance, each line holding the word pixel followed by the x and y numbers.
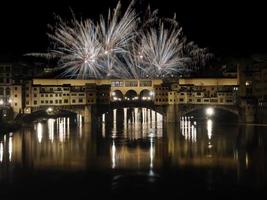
pixel 210 111
pixel 10 101
pixel 39 132
pixel 113 93
pixel 209 128
pixel 49 109
pixel 151 93
pixel 1 102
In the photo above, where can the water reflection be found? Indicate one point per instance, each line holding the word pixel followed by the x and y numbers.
pixel 131 131
pixel 136 139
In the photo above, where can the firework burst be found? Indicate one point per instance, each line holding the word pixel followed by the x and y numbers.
pixel 116 33
pixel 123 46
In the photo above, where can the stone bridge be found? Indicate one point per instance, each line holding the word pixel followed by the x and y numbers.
pixel 171 113
pixel 185 109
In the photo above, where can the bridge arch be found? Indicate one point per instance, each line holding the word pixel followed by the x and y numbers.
pixel 186 110
pixel 117 95
pixel 49 111
pixel 131 95
pixel 146 95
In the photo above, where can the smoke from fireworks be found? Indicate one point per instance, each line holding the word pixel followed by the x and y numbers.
pixel 123 46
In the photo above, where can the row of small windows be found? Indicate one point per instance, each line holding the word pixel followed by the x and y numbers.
pixel 58 95
pixel 162 100
pixel 164 93
pixel 162 88
pixel 58 101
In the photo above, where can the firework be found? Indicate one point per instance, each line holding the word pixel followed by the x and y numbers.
pixel 115 34
pixel 123 45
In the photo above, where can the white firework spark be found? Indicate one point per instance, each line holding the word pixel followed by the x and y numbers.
pixel 123 46
pixel 159 50
pixel 78 49
pixel 116 33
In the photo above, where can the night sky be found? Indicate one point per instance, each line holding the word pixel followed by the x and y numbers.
pixel 226 28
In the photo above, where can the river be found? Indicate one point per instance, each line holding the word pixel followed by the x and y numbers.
pixel 135 153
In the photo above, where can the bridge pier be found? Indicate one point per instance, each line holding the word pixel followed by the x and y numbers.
pixel 87 114
pixel 248 112
pixel 172 113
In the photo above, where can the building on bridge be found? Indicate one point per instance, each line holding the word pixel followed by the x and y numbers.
pixel 69 94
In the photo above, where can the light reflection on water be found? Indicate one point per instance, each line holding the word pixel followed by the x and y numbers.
pixel 135 139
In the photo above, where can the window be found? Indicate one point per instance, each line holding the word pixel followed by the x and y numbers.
pixel 117 84
pixel 42 102
pixel 51 95
pixel 35 95
pixel 56 101
pixel 35 89
pixel 51 101
pixel 7 91
pixel 73 101
pixel 181 100
pixel 198 100
pixel 35 102
pixel 66 101
pixel 7 68
pixel 145 83
pixel 131 83
pixel 80 100
pixel 60 101
pixel 16 95
pixel 27 103
pixel 16 104
pixel 42 95
pixel 46 101
pixel 1 91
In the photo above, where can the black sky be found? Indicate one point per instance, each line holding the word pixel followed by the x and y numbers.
pixel 225 27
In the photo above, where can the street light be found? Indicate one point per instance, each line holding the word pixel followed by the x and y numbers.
pixel 49 110
pixel 209 111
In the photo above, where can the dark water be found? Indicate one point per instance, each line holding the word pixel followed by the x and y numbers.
pixel 134 156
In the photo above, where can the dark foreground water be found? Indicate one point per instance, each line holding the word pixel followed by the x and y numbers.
pixel 132 157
